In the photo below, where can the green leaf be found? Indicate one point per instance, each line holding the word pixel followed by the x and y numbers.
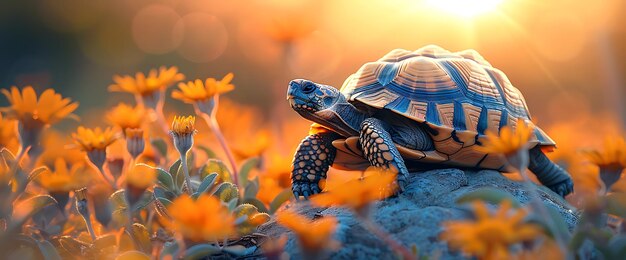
pixel 232 204
pixel 160 146
pixel 145 200
pixel 281 198
pixel 72 246
pixel 160 205
pixel 36 172
pixel 31 206
pixel 208 151
pixel 118 201
pixel 141 236
pixel 165 179
pixel 257 203
pixel 246 167
pixel 227 191
pixel 251 190
pixel 239 250
pixel 174 168
pixel 48 251
pixel 206 184
pixel 8 156
pixel 217 166
pixel 488 194
pixel 201 251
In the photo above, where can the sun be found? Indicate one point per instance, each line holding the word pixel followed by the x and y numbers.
pixel 466 8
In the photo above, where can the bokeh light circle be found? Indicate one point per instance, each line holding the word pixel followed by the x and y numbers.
pixel 153 29
pixel 204 37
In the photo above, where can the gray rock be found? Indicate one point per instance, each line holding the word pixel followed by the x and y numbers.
pixel 415 216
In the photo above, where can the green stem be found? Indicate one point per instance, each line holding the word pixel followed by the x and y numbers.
pixel 110 181
pixel 92 233
pixel 215 127
pixel 183 162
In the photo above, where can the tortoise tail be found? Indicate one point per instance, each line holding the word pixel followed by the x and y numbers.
pixel 549 173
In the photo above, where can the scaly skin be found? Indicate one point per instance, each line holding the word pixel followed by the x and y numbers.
pixel 310 163
pixel 380 150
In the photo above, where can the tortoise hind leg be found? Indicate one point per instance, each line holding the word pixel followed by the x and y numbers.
pixel 379 149
pixel 548 173
pixel 310 163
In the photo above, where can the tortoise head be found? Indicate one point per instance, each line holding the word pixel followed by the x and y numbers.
pixel 307 97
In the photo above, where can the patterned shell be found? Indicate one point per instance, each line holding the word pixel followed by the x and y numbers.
pixel 459 95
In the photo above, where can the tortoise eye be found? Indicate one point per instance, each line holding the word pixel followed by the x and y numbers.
pixel 308 88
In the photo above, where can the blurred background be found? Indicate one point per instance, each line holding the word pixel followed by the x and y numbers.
pixel 567 57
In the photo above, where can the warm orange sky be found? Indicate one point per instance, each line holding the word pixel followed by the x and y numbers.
pixel 567 57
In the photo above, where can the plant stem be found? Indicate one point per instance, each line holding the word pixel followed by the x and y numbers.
pixel 107 179
pixel 183 163
pixel 215 127
pixel 537 204
pixel 386 237
pixel 92 233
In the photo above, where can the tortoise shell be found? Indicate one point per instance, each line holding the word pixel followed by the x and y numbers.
pixel 459 96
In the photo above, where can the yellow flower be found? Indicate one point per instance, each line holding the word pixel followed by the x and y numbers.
pixel 314 235
pixel 204 219
pixel 356 194
pixel 184 125
pixel 125 116
pixel 141 177
pixel 32 113
pixel 613 154
pixel 144 86
pixel 489 236
pixel 64 179
pixel 509 141
pixel 194 91
pixel 94 139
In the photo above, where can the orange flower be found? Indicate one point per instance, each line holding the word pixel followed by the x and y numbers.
pixel 125 116
pixel 509 141
pixel 613 154
pixel 141 176
pixel 5 174
pixel 611 160
pixel 204 219
pixel 32 113
pixel 94 139
pixel 357 194
pixel 489 236
pixel 8 135
pixel 194 91
pixel 54 145
pixel 144 86
pixel 314 235
pixel 64 179
pixel 183 125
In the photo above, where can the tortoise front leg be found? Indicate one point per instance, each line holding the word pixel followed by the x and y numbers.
pixel 550 174
pixel 380 151
pixel 310 163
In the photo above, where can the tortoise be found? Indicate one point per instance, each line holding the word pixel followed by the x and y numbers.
pixel 412 109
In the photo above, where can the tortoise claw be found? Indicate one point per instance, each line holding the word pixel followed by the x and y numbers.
pixel 304 189
pixel 563 188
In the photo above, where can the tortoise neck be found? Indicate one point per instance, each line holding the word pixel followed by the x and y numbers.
pixel 343 118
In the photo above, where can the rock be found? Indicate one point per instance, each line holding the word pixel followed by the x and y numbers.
pixel 415 216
